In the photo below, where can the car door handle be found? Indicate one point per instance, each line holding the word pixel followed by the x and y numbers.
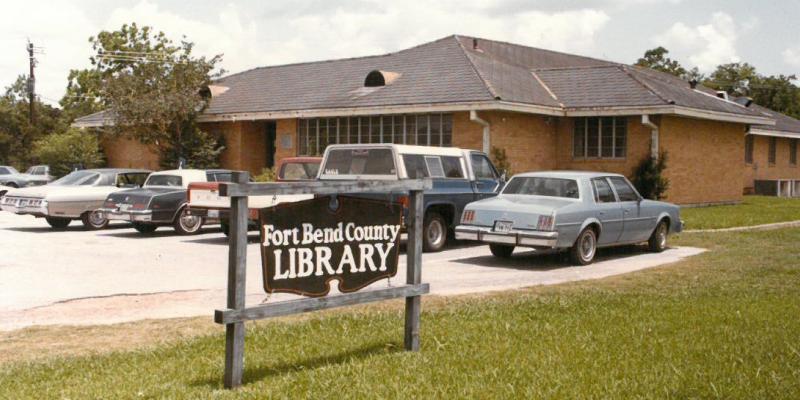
pixel 627 211
pixel 601 213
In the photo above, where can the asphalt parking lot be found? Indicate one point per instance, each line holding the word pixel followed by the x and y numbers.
pixel 116 275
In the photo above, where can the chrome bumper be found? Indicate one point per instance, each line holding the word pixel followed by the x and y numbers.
pixel 129 215
pixel 37 211
pixel 513 237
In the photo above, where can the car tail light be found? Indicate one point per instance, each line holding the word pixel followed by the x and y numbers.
pixel 109 204
pixel 139 206
pixel 545 223
pixel 468 216
pixel 253 213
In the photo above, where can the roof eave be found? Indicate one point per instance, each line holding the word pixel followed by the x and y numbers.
pixel 671 109
pixel 775 133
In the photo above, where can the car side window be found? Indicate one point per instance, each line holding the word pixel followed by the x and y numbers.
pixel 602 191
pixel 223 177
pixel 452 167
pixel 482 167
pixel 4 171
pixel 624 189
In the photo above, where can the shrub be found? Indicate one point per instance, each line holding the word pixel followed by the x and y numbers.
pixel 68 150
pixel 649 179
pixel 199 149
pixel 500 160
pixel 266 175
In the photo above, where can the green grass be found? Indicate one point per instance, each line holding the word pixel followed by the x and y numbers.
pixel 720 325
pixel 754 210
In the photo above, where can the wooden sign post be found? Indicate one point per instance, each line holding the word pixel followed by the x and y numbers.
pixel 235 315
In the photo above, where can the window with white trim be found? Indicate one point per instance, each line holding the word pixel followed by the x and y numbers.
pixel 315 134
pixel 600 137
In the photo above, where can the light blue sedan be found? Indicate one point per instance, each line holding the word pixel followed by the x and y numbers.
pixel 568 210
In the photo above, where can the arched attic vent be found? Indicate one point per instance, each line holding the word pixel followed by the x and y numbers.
pixel 377 78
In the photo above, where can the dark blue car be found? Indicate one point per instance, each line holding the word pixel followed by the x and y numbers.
pixel 459 177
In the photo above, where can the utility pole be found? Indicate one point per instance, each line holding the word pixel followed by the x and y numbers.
pixel 31 83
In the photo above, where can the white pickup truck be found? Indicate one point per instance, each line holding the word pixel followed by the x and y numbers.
pixel 205 201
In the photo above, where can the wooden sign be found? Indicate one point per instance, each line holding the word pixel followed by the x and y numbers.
pixel 308 244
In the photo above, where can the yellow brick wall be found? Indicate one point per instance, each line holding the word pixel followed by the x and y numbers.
pixel 705 160
pixel 122 152
pixel 285 133
pixel 529 140
pixel 760 168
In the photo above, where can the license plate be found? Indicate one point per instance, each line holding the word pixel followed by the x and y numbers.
pixel 124 207
pixel 503 226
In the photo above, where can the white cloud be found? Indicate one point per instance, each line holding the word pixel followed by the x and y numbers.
pixel 277 34
pixel 707 45
pixel 791 56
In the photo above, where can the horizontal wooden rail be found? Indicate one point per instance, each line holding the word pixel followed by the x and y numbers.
pixel 288 307
pixel 230 189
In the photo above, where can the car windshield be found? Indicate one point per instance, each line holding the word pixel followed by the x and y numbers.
pixel 295 171
pixel 359 162
pixel 540 186
pixel 78 178
pixel 164 180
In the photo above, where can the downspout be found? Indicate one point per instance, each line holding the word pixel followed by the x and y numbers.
pixel 653 135
pixel 487 143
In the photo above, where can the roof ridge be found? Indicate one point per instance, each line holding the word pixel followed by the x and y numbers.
pixel 468 57
pixel 577 67
pixel 333 59
pixel 538 48
pixel 624 69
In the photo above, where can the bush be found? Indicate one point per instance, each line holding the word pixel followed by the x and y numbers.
pixel 68 150
pixel 267 175
pixel 199 149
pixel 649 179
pixel 500 160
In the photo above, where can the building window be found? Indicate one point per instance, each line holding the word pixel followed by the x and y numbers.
pixel 315 134
pixel 748 149
pixel 773 144
pixel 793 151
pixel 600 137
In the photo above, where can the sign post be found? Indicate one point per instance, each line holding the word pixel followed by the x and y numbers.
pixel 377 258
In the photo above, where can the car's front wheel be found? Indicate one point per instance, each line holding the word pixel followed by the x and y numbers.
pixel 434 232
pixel 501 250
pixel 58 222
pixel 144 228
pixel 187 224
pixel 585 247
pixel 658 240
pixel 94 220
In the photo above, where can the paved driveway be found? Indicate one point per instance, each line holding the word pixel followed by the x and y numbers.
pixel 116 275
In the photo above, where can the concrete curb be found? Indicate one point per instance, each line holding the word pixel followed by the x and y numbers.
pixel 763 227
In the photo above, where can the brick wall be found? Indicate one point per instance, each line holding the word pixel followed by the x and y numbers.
pixel 123 152
pixel 705 160
pixel 760 168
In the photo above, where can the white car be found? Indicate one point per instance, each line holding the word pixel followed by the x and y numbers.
pixel 79 195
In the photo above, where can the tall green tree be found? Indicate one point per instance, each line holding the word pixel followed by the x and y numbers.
pixel 657 59
pixel 776 92
pixel 83 94
pixel 152 88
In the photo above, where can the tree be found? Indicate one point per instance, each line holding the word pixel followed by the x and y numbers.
pixel 152 88
pixel 83 94
pixel 17 134
pixel 649 178
pixel 68 150
pixel 734 78
pixel 777 93
pixel 657 59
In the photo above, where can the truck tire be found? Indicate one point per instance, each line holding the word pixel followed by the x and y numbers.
pixel 144 228
pixel 434 232
pixel 658 240
pixel 186 224
pixel 585 247
pixel 501 250
pixel 94 220
pixel 57 222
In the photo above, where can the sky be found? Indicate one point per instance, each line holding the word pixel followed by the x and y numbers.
pixel 257 33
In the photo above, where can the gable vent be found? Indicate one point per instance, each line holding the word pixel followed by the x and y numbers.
pixel 376 78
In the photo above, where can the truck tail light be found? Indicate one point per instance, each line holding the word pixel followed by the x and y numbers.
pixel 546 223
pixel 468 216
pixel 403 200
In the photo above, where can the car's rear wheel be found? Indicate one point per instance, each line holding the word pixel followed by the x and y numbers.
pixel 658 240
pixel 94 220
pixel 58 222
pixel 144 228
pixel 501 250
pixel 12 185
pixel 434 232
pixel 187 224
pixel 585 247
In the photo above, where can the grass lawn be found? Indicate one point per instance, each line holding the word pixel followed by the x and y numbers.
pixel 723 324
pixel 754 210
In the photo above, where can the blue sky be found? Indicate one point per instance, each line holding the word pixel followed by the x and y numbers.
pixel 256 33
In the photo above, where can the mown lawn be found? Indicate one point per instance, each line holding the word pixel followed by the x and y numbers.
pixel 720 325
pixel 754 210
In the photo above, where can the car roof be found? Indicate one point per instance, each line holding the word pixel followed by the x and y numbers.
pixel 567 174
pixel 405 149
pixel 117 170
